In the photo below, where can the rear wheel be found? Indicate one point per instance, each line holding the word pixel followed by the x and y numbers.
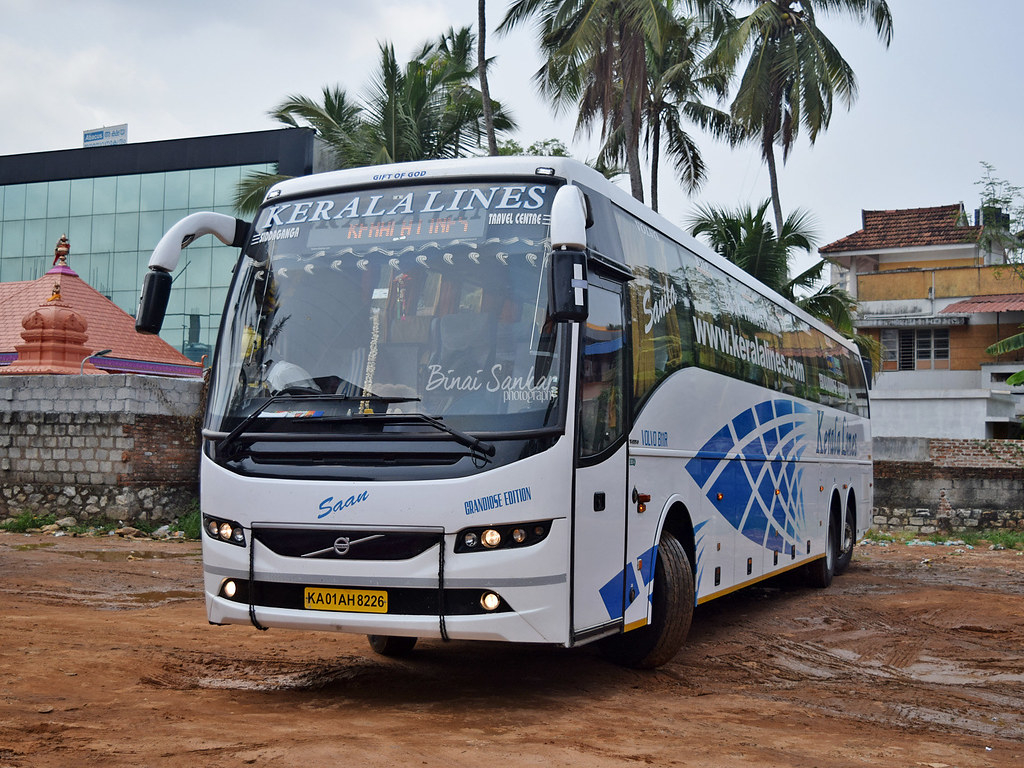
pixel 847 538
pixel 671 613
pixel 392 645
pixel 821 571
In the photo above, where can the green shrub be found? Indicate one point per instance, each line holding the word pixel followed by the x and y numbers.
pixel 27 521
pixel 1002 537
pixel 191 523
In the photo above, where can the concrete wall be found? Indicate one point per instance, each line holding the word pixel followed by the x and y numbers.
pixel 950 413
pixel 118 446
pixel 930 486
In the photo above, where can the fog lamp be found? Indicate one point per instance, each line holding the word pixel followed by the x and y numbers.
pixel 229 589
pixel 491 538
pixel 489 601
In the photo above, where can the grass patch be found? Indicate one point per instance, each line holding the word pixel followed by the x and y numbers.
pixel 26 521
pixel 978 538
pixel 876 535
pixel 1008 539
pixel 189 523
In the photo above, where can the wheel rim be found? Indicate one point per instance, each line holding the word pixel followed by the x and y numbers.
pixel 848 536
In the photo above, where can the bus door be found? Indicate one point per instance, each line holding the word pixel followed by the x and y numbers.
pixel 600 589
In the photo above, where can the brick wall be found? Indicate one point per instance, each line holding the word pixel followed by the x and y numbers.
pixel 943 486
pixel 121 446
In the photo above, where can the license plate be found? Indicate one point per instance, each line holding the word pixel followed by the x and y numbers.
pixel 354 600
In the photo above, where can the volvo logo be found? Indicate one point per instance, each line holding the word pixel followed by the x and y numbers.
pixel 342 545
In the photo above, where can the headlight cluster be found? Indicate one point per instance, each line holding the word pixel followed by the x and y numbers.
pixel 508 536
pixel 224 530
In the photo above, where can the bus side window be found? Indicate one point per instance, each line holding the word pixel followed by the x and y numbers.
pixel 602 401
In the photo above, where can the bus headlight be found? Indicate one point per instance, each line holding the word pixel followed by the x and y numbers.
pixel 509 536
pixel 224 530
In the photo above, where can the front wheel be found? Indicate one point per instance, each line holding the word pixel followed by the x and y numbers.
pixel 671 613
pixel 392 645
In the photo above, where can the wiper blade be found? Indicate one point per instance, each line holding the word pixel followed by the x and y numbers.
pixel 240 428
pixel 463 438
pixel 231 436
pixel 466 439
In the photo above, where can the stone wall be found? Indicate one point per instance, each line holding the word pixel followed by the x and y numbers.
pixel 929 485
pixel 126 447
pixel 119 446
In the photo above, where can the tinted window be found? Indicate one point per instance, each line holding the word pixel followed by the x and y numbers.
pixel 687 311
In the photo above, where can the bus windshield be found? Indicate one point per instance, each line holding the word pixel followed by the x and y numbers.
pixel 429 300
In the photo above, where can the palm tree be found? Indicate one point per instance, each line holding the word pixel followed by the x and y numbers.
pixel 481 64
pixel 746 238
pixel 793 72
pixel 679 77
pixel 1008 346
pixel 425 110
pixel 336 120
pixel 597 60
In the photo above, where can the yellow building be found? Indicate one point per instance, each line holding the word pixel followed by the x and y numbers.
pixel 935 296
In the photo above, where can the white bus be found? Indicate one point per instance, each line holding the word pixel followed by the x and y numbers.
pixel 498 399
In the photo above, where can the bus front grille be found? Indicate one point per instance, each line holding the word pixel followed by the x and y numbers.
pixel 344 544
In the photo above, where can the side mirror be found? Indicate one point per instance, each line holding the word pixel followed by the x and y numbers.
pixel 569 219
pixel 156 291
pixel 568 290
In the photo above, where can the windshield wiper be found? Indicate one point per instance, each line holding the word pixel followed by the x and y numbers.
pixel 234 434
pixel 463 438
pixel 466 439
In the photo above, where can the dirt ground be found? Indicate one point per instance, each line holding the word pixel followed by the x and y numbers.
pixel 915 657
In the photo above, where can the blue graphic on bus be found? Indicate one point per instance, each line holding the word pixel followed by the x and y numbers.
pixel 759 495
pixel 625 582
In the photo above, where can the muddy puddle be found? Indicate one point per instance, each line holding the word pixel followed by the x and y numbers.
pixel 121 556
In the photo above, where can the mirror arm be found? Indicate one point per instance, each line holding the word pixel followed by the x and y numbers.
pixel 156 286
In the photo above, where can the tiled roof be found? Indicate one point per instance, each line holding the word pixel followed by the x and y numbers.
pixel 1009 302
pixel 109 327
pixel 908 228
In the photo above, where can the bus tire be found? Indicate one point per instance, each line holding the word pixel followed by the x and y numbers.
pixel 392 645
pixel 847 538
pixel 671 613
pixel 821 571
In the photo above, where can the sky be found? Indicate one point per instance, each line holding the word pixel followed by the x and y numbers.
pixel 940 100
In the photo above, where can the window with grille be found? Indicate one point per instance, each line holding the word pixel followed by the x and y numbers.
pixel 914 349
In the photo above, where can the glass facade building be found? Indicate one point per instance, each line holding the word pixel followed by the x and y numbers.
pixel 115 203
